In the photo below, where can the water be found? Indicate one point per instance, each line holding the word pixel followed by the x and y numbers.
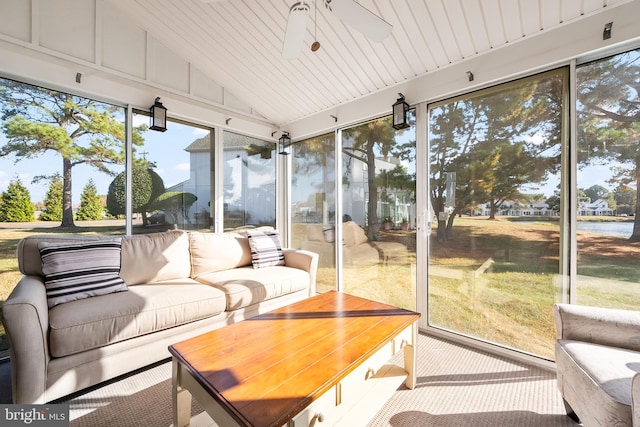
pixel 620 229
pixel 611 228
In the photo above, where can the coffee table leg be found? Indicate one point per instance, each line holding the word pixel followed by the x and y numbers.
pixel 410 358
pixel 181 397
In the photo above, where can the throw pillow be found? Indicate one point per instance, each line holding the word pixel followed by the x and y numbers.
pixel 74 271
pixel 265 248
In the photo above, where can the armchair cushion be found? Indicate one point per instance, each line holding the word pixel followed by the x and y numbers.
pixel 597 358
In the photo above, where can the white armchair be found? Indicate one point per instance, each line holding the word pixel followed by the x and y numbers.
pixel 598 359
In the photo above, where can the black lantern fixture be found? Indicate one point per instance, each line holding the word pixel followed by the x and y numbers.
pixel 400 110
pixel 285 141
pixel 158 116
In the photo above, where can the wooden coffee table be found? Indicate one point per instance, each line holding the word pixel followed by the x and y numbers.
pixel 322 360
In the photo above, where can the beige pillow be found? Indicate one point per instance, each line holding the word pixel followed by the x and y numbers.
pixel 348 234
pixel 359 235
pixel 315 233
pixel 211 252
pixel 155 257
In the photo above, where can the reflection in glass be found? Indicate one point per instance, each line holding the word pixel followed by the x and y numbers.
pixel 608 219
pixel 494 193
pixel 313 203
pixel 378 204
pixel 249 182
pixel 171 179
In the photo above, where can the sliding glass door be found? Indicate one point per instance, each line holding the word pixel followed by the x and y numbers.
pixel 495 201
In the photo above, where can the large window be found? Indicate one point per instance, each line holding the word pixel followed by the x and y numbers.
pixel 608 213
pixel 58 156
pixel 494 252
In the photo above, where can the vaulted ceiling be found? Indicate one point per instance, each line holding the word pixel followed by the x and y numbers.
pixel 238 43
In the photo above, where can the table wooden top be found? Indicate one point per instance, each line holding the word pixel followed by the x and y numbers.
pixel 266 369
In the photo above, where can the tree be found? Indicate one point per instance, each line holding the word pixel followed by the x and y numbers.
pixel 596 192
pixel 53 200
pixel 554 202
pixel 90 207
pixel 609 120
pixel 368 142
pixel 80 130
pixel 147 186
pixel 495 142
pixel 16 203
pixel 625 198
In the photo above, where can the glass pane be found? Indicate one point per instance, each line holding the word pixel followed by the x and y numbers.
pixel 494 191
pixel 378 224
pixel 249 182
pixel 171 178
pixel 608 222
pixel 58 154
pixel 313 204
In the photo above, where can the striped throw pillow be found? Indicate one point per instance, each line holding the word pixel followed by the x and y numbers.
pixel 265 248
pixel 74 271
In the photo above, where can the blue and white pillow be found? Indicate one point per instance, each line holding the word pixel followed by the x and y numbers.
pixel 74 271
pixel 265 247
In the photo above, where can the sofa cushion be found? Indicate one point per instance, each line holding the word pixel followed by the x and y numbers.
pixel 74 271
pixel 155 257
pixel 246 286
pixel 608 370
pixel 266 249
pixel 211 252
pixel 315 232
pixel 91 323
pixel 353 234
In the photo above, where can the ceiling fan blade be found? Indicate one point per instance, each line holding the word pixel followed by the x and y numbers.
pixel 360 18
pixel 296 29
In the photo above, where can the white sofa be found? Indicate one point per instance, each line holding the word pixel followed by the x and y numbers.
pixel 179 285
pixel 598 359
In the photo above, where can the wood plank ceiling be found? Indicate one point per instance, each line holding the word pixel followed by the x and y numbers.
pixel 238 44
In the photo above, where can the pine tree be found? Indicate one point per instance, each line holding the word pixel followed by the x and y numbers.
pixel 90 207
pixel 16 203
pixel 53 201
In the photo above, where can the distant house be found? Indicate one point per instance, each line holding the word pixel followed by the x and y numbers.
pixel 511 208
pixel 598 208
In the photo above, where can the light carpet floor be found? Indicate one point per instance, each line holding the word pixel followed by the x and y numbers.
pixel 457 387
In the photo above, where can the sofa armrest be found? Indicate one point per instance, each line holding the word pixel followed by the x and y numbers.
pixel 605 326
pixel 26 322
pixel 304 260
